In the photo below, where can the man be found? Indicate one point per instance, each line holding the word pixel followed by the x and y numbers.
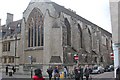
pixel 6 70
pixel 81 72
pixel 77 75
pixel 86 72
pixel 56 73
pixel 50 71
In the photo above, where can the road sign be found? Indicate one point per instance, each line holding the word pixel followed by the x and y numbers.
pixel 112 56
pixel 76 57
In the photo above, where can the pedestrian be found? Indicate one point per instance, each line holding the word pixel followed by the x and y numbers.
pixel 77 76
pixel 6 70
pixel 86 72
pixel 65 71
pixel 56 73
pixel 38 75
pixel 118 73
pixel 50 71
pixel 81 72
pixel 13 69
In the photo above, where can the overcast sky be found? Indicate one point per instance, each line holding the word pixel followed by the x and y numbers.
pixel 96 11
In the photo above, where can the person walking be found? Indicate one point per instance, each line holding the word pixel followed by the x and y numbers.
pixel 38 75
pixel 77 76
pixel 81 72
pixel 86 72
pixel 56 74
pixel 13 69
pixel 6 70
pixel 50 71
pixel 65 71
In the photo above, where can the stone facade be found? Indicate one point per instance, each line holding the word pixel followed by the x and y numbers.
pixel 52 34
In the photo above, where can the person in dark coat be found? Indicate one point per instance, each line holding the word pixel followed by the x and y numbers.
pixel 86 72
pixel 77 75
pixel 118 73
pixel 13 69
pixel 81 72
pixel 56 74
pixel 6 70
pixel 50 71
pixel 38 75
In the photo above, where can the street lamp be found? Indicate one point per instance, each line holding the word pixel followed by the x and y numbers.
pixel 31 58
pixel 15 48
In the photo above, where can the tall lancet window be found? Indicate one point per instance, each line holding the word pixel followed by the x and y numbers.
pixel 35 29
pixel 80 33
pixel 67 25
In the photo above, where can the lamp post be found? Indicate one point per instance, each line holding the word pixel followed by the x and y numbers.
pixel 15 48
pixel 31 58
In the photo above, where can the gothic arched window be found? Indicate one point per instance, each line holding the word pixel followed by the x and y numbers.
pixel 107 44
pixel 67 24
pixel 80 32
pixel 90 37
pixel 35 28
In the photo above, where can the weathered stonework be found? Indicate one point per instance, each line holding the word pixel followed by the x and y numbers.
pixel 65 34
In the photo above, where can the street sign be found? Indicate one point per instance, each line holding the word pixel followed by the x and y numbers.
pixel 112 56
pixel 76 57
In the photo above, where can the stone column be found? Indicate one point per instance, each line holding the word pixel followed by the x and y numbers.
pixel 115 11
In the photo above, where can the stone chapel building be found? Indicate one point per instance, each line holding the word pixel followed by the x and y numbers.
pixel 52 34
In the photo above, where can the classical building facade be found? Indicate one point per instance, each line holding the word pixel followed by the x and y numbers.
pixel 52 34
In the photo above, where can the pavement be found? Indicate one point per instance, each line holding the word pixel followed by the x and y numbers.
pixel 26 76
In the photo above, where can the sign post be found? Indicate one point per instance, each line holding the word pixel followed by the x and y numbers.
pixel 76 58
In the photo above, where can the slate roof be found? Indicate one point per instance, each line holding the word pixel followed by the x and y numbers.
pixel 60 8
pixel 13 26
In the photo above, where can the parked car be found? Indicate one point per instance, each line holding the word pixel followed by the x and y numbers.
pixel 97 70
pixel 109 68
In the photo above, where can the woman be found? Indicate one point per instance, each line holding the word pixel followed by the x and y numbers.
pixel 65 71
pixel 38 75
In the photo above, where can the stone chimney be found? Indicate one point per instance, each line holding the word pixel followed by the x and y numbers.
pixel 9 18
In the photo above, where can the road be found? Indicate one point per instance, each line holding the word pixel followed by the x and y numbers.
pixel 104 75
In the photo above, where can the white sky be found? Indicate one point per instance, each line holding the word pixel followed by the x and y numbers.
pixel 96 11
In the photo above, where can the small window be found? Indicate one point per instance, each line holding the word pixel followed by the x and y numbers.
pixel 101 59
pixel 5 60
